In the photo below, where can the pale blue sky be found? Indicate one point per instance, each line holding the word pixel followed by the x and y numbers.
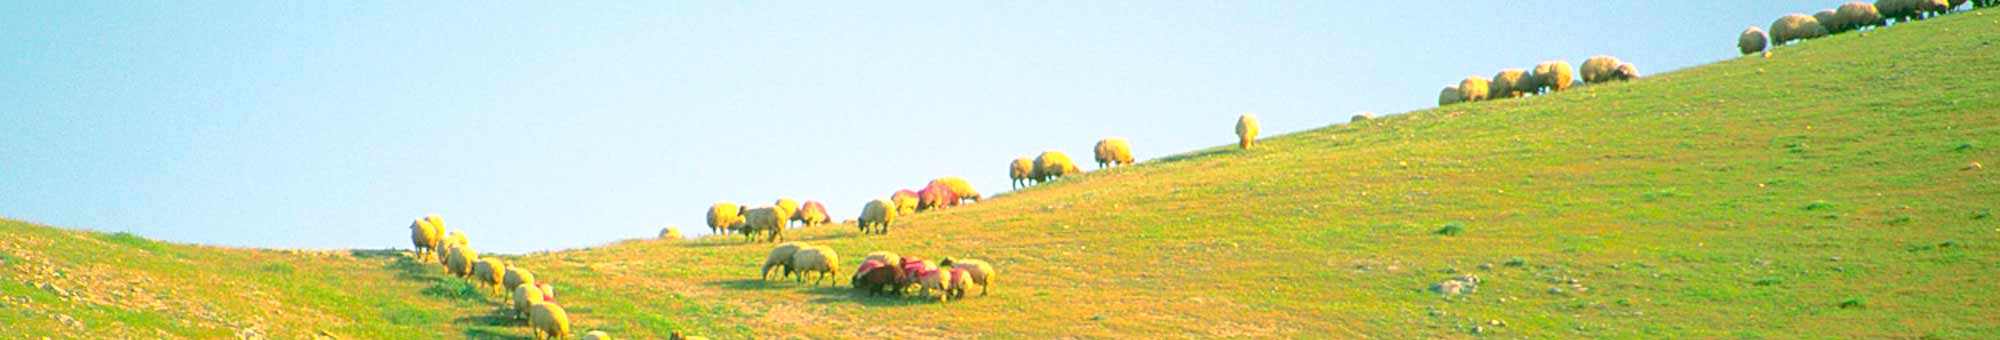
pixel 333 124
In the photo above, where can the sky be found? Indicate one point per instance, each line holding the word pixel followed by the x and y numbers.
pixel 538 126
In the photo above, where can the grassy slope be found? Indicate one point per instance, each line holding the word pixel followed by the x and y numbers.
pixel 1749 198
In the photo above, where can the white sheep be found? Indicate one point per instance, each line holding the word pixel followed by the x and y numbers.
pixel 816 260
pixel 524 297
pixel 1246 130
pixel 426 235
pixel 765 219
pixel 877 213
pixel 596 335
pixel 516 277
pixel 548 320
pixel 488 273
pixel 781 257
pixel 981 273
pixel 1751 41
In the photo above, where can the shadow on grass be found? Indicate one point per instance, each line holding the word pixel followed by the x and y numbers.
pixel 408 269
pixel 499 323
pixel 1196 155
pixel 755 284
pixel 506 333
pixel 843 294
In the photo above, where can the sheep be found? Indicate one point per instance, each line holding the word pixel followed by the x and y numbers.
pixel 1598 69
pixel 1899 10
pixel 425 236
pixel 1246 130
pixel 936 196
pixel 1472 89
pixel 548 290
pixel 818 261
pixel 488 273
pixel 462 258
pixel 913 267
pixel 723 217
pixel 670 233
pixel 906 202
pixel 444 255
pixel 1828 19
pixel 1625 72
pixel 548 320
pixel 525 296
pixel 788 210
pixel 1552 76
pixel 1795 27
pixel 1935 8
pixel 764 219
pixel 880 270
pixel 1052 165
pixel 1019 172
pixel 1857 15
pixel 1449 96
pixel 1507 84
pixel 879 213
pixel 981 272
pixel 1363 116
pixel 812 213
pixel 1751 41
pixel 960 187
pixel 596 335
pixel 934 278
pixel 781 257
pixel 517 277
pixel 1113 151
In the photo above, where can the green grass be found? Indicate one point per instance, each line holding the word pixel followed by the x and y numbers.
pixel 1820 193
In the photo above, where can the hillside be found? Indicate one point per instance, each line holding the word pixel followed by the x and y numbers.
pixel 1823 192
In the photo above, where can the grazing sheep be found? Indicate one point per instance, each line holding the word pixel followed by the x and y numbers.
pixel 1935 8
pixel 788 209
pixel 961 188
pixel 1795 27
pixel 670 233
pixel 462 258
pixel 723 217
pixel 1507 84
pixel 548 320
pixel 781 257
pixel 1829 20
pixel 877 213
pixel 548 291
pixel 1898 10
pixel 1598 69
pixel 816 260
pixel 1449 95
pixel 444 255
pixel 1552 76
pixel 425 236
pixel 1019 172
pixel 1472 89
pixel 878 272
pixel 525 296
pixel 1363 116
pixel 1052 165
pixel 934 278
pixel 1246 130
pixel 981 272
pixel 936 196
pixel 596 335
pixel 764 219
pixel 1113 151
pixel 913 266
pixel 1751 41
pixel 517 277
pixel 906 202
pixel 488 272
pixel 1857 15
pixel 1626 72
pixel 813 213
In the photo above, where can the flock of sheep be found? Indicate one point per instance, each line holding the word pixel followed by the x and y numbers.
pixel 880 271
pixel 1546 77
pixel 534 299
pixel 1852 16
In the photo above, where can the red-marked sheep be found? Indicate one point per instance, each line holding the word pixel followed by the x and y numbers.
pixel 936 196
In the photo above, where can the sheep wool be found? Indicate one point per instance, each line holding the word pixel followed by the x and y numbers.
pixel 813 213
pixel 1507 84
pixel 961 187
pixel 934 278
pixel 1899 10
pixel 764 219
pixel 1626 71
pixel 787 209
pixel 1598 69
pixel 517 277
pixel 817 261
pixel 445 255
pixel 906 202
pixel 1795 27
pixel 548 320
pixel 670 233
pixel 1857 15
pixel 1935 8
pixel 1246 130
pixel 1828 19
pixel 1052 165
pixel 1552 76
pixel 1751 41
pixel 1472 89
pixel 488 272
pixel 980 272
pixel 596 335
pixel 877 213
pixel 1360 117
pixel 462 258
pixel 936 195
pixel 1113 151
pixel 1449 96
pixel 781 257
pixel 1018 172
pixel 723 216
pixel 425 236
pixel 524 297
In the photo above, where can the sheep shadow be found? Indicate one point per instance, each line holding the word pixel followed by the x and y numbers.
pixel 756 284
pixel 483 333
pixel 408 269
pixel 838 294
